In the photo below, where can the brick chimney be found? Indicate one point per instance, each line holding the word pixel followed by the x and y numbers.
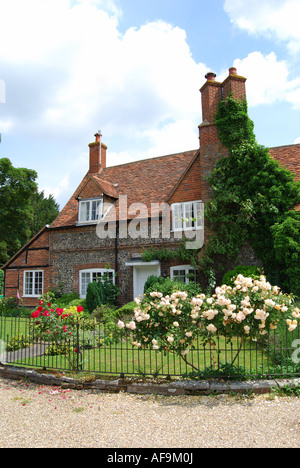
pixel 211 150
pixel 97 155
pixel 211 93
pixel 235 85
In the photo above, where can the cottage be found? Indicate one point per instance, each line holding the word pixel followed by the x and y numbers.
pixel 118 212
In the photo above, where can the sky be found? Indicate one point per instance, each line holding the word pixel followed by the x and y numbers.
pixel 133 68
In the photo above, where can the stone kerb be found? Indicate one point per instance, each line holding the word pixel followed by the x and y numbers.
pixel 138 386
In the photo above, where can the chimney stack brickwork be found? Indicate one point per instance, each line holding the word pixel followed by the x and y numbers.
pixel 97 158
pixel 211 149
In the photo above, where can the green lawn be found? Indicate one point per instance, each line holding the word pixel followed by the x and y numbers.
pixel 123 358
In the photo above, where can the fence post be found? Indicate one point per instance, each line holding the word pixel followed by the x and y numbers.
pixel 78 353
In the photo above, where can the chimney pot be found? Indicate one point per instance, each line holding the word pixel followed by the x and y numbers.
pixel 98 136
pixel 210 76
pixel 232 71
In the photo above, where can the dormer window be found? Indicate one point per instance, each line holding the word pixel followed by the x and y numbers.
pixel 90 211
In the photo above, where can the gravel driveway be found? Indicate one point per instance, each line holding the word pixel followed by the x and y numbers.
pixel 51 417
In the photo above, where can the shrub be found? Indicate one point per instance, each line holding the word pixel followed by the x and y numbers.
pixel 110 290
pixel 65 299
pixel 78 302
pixel 94 295
pixel 245 270
pixel 104 313
pixel 167 286
pixel 153 280
pixel 18 342
pixel 127 309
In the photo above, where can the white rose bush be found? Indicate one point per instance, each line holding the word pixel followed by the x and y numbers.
pixel 174 322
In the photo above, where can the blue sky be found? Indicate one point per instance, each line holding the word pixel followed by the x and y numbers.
pixel 133 68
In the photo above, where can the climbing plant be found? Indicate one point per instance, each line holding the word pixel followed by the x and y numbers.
pixel 253 200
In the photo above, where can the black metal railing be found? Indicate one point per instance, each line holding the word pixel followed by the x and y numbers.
pixel 101 348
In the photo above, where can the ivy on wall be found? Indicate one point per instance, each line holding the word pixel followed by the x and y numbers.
pixel 253 200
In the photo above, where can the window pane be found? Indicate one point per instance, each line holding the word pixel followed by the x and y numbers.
pixel 28 282
pixel 38 283
pixel 85 280
pixel 96 210
pixel 188 215
pixel 177 217
pixel 97 275
pixel 179 275
pixel 84 211
pixel 199 214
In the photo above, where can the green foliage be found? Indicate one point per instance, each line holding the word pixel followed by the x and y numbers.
pixel 18 342
pixel 23 211
pixel 65 299
pixel 127 309
pixel 78 302
pixel 110 290
pixel 56 349
pixel 153 280
pixel 16 188
pixel 7 305
pixel 245 270
pixel 167 286
pixel 286 236
pixel 252 201
pixel 45 210
pixel 186 256
pixel 94 295
pixel 233 123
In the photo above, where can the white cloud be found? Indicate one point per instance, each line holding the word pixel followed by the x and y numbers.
pixel 275 19
pixel 297 141
pixel 60 190
pixel 268 79
pixel 86 75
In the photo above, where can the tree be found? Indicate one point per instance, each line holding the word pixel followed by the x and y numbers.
pixel 45 210
pixel 23 210
pixel 16 211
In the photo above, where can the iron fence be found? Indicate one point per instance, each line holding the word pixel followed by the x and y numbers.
pixel 101 348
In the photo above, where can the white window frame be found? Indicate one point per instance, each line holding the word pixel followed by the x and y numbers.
pixel 181 216
pixel 97 271
pixel 90 202
pixel 34 285
pixel 188 269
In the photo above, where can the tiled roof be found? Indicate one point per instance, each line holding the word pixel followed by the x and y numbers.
pixel 147 181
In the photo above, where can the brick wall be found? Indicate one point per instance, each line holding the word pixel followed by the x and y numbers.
pixel 189 188
pixel 34 256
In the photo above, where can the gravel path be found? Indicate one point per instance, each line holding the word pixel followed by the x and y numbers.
pixel 33 416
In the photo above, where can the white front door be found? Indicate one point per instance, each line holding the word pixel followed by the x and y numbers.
pixel 140 275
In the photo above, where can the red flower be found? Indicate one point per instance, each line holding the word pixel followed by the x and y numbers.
pixel 59 311
pixel 79 309
pixel 49 304
pixel 40 309
pixel 35 314
pixel 46 313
